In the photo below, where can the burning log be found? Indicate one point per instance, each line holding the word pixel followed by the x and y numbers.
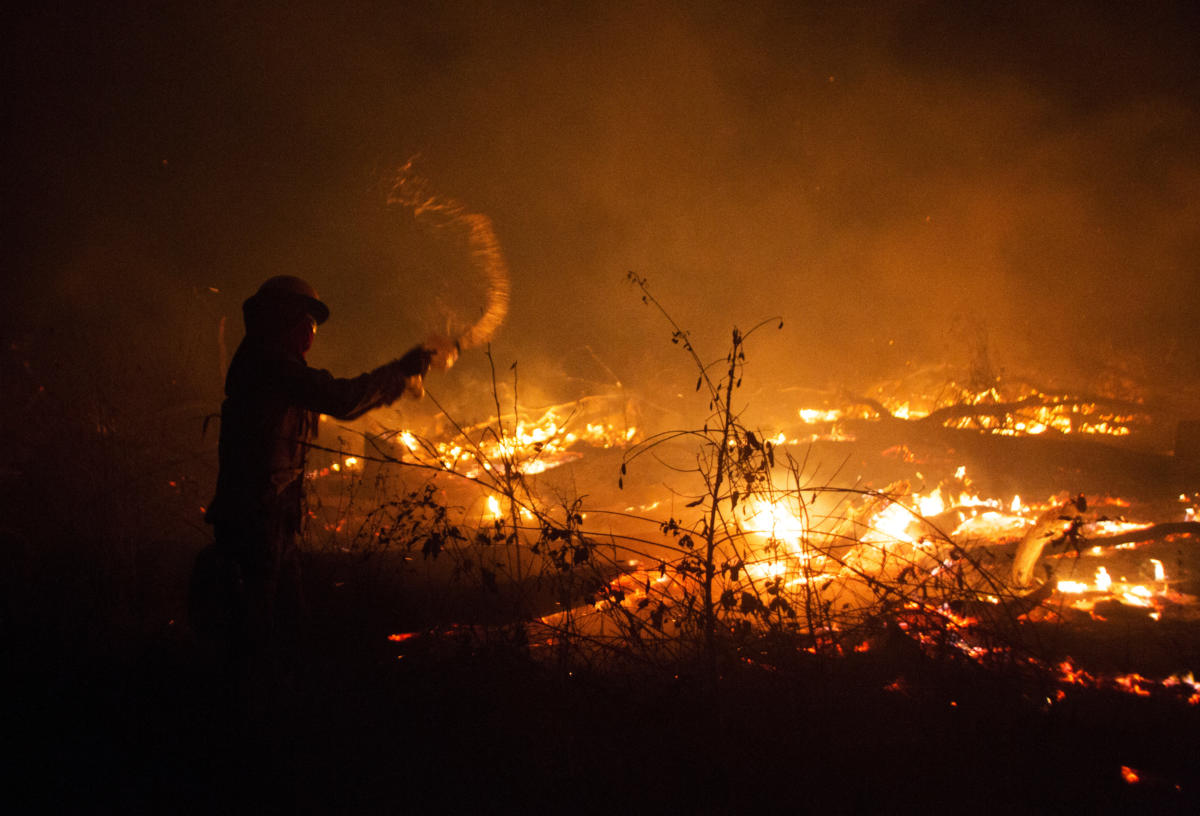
pixel 1033 414
pixel 1151 533
pixel 1063 524
pixel 1056 526
pixel 1001 411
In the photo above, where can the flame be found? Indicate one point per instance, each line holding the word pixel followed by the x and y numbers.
pixel 1005 411
pixel 1138 596
pixel 348 463
pixel 529 447
pixel 811 416
pixel 774 520
pixel 891 524
pixel 1160 574
pixel 1185 680
pixel 1113 527
pixel 780 533
pixel 977 517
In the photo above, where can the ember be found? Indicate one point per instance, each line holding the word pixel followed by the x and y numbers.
pixel 820 559
pixel 528 446
pixel 1006 411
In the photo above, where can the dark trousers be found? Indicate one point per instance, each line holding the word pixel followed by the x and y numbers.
pixel 246 600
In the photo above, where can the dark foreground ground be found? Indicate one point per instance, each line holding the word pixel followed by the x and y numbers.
pixel 345 725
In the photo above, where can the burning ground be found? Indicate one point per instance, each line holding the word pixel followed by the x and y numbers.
pixel 950 576
pixel 882 538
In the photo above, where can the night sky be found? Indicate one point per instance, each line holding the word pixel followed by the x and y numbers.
pixel 894 180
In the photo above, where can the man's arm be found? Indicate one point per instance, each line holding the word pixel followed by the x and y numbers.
pixel 350 398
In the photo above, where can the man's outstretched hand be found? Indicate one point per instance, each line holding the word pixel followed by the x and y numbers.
pixel 405 374
pixel 415 362
pixel 445 351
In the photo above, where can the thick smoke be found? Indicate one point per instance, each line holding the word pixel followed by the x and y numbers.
pixel 895 181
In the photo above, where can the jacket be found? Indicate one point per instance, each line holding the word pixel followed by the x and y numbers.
pixel 269 417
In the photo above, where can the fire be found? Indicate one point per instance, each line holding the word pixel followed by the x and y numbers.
pixel 1160 574
pixel 882 541
pixel 1000 410
pixel 349 463
pixel 1139 596
pixel 1133 683
pixel 974 517
pixel 1111 527
pixel 1186 680
pixel 811 416
pixel 891 524
pixel 528 447
pixel 774 520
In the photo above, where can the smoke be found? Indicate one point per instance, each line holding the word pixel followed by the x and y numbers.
pixel 890 179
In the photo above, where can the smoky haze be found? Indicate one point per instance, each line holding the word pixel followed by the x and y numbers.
pixel 896 182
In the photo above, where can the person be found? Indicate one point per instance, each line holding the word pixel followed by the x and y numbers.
pixel 273 400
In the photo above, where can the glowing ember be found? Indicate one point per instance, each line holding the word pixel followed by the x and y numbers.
pixel 811 416
pixel 349 463
pixel 528 447
pixel 1160 574
pixel 1110 527
pixel 1000 410
pixel 1186 680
